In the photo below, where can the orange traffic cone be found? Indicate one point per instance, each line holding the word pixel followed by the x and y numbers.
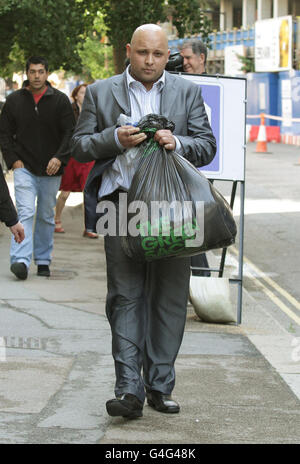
pixel 261 145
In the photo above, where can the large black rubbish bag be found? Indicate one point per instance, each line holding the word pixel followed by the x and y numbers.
pixel 173 210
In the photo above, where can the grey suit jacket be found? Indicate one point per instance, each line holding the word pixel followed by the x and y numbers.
pixel 93 139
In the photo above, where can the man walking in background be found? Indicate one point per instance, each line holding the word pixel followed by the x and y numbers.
pixel 36 125
pixel 194 54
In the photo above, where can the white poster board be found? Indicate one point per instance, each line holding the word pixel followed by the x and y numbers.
pixel 233 64
pixel 273 44
pixel 225 101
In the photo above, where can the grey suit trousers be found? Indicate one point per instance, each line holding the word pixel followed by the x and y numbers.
pixel 146 308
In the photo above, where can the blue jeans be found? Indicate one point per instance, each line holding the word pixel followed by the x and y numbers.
pixel 39 242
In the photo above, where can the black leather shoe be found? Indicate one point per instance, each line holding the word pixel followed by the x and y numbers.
pixel 43 270
pixel 20 270
pixel 162 403
pixel 127 405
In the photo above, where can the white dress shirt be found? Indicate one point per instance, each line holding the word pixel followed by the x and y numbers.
pixel 142 102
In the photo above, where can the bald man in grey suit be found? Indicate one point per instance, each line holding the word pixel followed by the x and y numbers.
pixel 146 302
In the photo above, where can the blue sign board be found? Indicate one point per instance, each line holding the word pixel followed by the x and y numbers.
pixel 225 102
pixel 211 94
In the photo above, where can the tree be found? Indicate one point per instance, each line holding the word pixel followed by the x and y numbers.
pixel 95 53
pixel 122 18
pixel 57 29
pixel 189 17
pixel 248 64
pixel 15 61
pixel 6 29
pixel 51 28
pixel 67 32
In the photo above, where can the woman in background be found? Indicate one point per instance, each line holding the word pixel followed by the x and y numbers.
pixel 75 174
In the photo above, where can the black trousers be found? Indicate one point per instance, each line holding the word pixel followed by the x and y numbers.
pixel 146 308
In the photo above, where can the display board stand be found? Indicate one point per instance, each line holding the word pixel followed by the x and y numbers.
pixel 220 270
pixel 225 101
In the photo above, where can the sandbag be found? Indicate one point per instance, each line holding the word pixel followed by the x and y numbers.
pixel 210 297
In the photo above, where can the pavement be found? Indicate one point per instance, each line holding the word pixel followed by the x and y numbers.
pixel 235 383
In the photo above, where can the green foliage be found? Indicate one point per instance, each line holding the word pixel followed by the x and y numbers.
pixel 16 61
pixel 189 18
pixel 7 25
pixel 68 32
pixel 44 27
pixel 96 55
pixel 248 63
pixel 65 33
pixel 122 18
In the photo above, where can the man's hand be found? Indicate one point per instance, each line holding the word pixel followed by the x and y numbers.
pixel 130 136
pixel 18 164
pixel 18 232
pixel 53 166
pixel 165 138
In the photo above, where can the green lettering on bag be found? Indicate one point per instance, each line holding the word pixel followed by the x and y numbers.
pixel 149 243
pixel 159 245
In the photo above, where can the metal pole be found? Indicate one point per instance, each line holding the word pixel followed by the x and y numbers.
pixel 241 253
pixel 224 251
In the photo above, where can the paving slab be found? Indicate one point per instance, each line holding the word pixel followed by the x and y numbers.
pixel 235 384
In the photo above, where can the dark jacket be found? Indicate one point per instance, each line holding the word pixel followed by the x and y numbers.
pixel 36 133
pixel 8 213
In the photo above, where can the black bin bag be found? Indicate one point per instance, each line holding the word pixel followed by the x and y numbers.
pixel 172 209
